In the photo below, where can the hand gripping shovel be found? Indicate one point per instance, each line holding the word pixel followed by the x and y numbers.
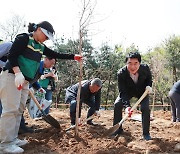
pixel 48 118
pixel 116 127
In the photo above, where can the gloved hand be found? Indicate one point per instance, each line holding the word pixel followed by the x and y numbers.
pixel 78 58
pixel 128 111
pixel 19 80
pixel 97 113
pixel 149 89
pixel 41 90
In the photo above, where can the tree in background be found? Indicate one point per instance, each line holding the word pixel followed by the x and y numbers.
pixel 172 48
pixel 12 27
pixel 160 74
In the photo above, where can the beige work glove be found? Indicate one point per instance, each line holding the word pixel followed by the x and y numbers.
pixel 19 80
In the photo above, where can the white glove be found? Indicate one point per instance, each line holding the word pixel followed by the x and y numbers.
pixel 128 111
pixel 19 80
pixel 149 89
pixel 41 90
pixel 97 113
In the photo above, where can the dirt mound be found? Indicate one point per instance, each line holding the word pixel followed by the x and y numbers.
pixel 48 140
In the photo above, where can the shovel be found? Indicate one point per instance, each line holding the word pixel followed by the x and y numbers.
pixel 84 121
pixel 116 127
pixel 48 118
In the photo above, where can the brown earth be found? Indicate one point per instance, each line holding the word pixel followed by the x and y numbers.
pixel 165 134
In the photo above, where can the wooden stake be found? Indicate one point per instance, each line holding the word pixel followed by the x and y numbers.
pixel 80 85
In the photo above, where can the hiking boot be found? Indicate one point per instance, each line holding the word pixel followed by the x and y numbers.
pixel 11 148
pixel 147 137
pixel 19 142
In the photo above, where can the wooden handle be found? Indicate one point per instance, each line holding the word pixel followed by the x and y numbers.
pixel 35 100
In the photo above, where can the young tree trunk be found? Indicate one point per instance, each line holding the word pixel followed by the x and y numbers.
pixel 107 93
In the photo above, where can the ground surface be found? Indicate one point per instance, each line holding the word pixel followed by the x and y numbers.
pixel 166 136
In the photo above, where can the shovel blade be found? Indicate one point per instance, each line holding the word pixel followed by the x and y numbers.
pixel 53 122
pixel 111 130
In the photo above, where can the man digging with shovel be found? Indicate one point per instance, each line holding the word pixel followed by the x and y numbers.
pixel 133 80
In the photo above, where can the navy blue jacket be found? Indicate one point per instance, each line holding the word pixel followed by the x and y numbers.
pixel 85 95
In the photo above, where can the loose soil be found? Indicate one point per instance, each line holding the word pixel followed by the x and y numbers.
pixel 49 140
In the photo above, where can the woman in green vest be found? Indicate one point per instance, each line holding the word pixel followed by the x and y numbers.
pixel 23 63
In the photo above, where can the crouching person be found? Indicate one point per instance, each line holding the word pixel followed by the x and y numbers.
pixel 90 95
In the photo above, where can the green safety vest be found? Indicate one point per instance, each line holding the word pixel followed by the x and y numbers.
pixel 29 61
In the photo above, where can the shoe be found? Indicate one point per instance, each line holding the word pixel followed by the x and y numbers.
pixel 72 126
pixel 19 142
pixel 25 130
pixel 91 123
pixel 147 137
pixel 11 148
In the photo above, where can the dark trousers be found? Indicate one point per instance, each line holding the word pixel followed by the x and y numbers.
pixel 48 96
pixel 118 107
pixel 73 104
pixel 175 105
pixel 22 123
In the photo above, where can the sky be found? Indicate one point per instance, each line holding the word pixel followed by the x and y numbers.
pixel 146 23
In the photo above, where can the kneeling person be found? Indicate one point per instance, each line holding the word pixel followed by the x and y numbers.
pixel 90 95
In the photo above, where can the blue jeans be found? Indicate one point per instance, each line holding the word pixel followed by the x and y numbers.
pixel 48 97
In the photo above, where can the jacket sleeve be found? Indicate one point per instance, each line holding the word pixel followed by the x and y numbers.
pixel 17 48
pixel 50 53
pixel 4 48
pixel 122 89
pixel 36 85
pixel 149 77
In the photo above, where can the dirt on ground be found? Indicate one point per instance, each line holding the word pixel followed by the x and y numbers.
pixel 48 140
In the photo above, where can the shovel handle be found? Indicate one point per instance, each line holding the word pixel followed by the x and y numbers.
pixel 140 99
pixel 35 100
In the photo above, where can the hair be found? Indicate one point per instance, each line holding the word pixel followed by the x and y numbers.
pixel 97 82
pixel 44 24
pixel 133 55
pixel 50 58
pixel 32 27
